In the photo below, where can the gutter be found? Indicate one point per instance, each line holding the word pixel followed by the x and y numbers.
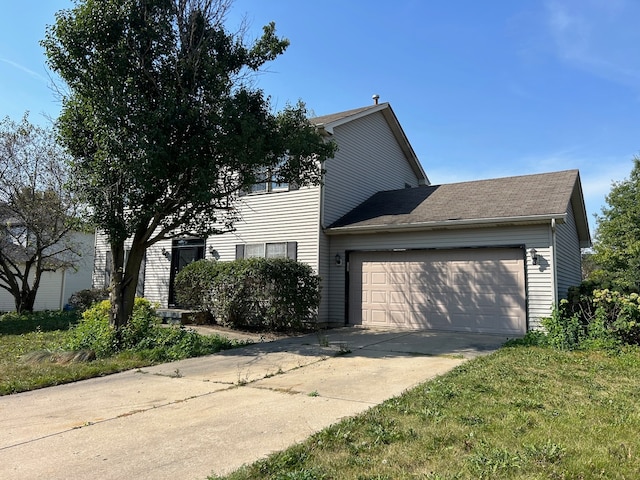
pixel 444 224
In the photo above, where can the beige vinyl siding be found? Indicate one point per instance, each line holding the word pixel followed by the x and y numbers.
pixel 369 160
pixel 568 255
pixel 262 218
pixel 272 218
pixel 539 278
pixel 155 281
pixel 99 279
pixel 325 262
pixel 157 273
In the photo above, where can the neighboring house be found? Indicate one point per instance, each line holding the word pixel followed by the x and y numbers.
pixel 488 256
pixel 56 287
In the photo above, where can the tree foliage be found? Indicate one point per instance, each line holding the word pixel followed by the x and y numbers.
pixel 617 246
pixel 164 124
pixel 38 216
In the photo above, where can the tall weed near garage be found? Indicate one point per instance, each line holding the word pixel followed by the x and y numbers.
pixel 521 413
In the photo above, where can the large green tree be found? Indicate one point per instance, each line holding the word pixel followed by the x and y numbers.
pixel 617 245
pixel 38 215
pixel 165 124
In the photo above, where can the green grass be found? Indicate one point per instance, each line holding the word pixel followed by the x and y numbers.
pixel 21 335
pixel 521 413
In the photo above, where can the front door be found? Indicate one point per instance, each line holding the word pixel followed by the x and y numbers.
pixel 183 252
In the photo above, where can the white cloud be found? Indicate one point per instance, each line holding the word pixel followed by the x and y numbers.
pixel 24 69
pixel 597 36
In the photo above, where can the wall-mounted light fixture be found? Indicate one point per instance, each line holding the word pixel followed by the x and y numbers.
pixel 166 253
pixel 213 253
pixel 534 256
pixel 338 259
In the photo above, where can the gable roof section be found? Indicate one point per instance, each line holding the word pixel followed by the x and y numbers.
pixel 327 123
pixel 523 199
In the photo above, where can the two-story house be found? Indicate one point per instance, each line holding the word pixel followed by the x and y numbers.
pixel 394 251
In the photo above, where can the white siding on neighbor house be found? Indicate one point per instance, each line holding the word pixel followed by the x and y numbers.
pixel 368 160
pixel 568 255
pixel 56 287
pixel 539 278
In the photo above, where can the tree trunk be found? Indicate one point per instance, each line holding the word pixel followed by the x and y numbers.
pixel 124 281
pixel 26 300
pixel 25 296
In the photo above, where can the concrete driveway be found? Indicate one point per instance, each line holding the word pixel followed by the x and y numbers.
pixel 191 418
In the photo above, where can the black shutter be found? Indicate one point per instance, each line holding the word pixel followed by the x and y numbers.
pixel 239 252
pixel 292 250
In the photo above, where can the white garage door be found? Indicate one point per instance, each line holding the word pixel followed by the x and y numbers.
pixel 475 290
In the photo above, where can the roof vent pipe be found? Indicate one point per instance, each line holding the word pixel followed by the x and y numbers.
pixel 375 97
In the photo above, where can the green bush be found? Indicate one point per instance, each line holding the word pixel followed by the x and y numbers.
pixel 195 283
pixel 271 294
pixel 84 299
pixel 94 332
pixel 564 328
pixel 594 318
pixel 143 333
pixel 141 325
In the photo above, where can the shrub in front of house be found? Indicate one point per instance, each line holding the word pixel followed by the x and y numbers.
pixel 84 299
pixel 143 334
pixel 594 318
pixel 257 293
pixel 94 332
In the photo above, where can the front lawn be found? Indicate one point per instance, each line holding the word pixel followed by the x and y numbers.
pixel 32 352
pixel 523 412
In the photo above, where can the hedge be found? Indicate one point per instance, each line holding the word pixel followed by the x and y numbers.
pixel 258 293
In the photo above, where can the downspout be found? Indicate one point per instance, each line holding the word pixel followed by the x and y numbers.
pixel 322 237
pixel 62 287
pixel 554 268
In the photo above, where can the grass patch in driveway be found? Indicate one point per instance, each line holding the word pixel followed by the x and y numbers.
pixel 522 412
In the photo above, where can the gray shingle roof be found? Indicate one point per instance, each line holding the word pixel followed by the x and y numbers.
pixel 546 194
pixel 324 119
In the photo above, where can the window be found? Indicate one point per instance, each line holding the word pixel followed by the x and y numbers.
pixel 268 250
pixel 254 250
pixel 268 179
pixel 276 250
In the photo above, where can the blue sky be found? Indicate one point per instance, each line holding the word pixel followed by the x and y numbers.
pixel 482 89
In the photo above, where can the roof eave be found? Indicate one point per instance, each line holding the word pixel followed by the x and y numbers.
pixel 447 224
pixel 580 214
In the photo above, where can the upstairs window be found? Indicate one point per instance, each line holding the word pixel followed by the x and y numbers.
pixel 268 179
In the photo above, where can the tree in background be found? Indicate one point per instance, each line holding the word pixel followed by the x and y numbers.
pixel 164 125
pixel 617 246
pixel 38 216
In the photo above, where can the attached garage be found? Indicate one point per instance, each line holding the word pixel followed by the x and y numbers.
pixel 474 290
pixel 490 256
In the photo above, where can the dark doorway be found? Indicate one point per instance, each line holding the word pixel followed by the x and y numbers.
pixel 183 252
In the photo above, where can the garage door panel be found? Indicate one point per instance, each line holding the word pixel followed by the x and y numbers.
pixel 379 278
pixel 478 290
pixel 378 296
pixel 397 298
pixel 378 316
